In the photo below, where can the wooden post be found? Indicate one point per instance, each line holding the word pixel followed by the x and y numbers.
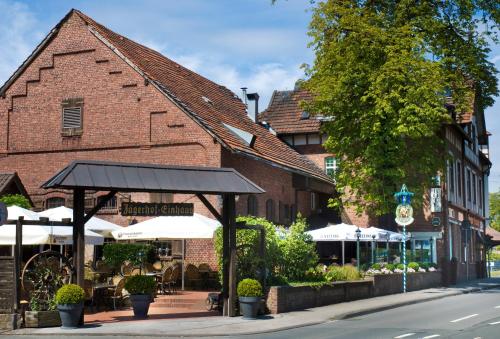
pixel 225 255
pixel 79 234
pixel 18 256
pixel 231 206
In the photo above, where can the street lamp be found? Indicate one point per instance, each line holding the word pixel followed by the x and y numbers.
pixel 387 237
pixel 373 249
pixel 358 234
pixel 404 217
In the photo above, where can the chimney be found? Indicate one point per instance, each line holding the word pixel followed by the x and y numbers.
pixel 254 97
pixel 244 91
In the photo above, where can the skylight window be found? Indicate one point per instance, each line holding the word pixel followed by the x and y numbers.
pixel 248 138
pixel 304 115
pixel 207 100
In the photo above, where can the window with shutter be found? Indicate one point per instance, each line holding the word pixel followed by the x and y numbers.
pixel 72 117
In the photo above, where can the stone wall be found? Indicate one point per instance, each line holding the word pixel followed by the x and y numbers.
pixel 282 299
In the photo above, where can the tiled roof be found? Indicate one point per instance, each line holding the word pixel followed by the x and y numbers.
pixel 5 180
pixel 189 90
pixel 284 113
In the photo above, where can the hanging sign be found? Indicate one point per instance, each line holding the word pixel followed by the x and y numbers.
pixel 142 209
pixel 436 221
pixel 4 213
pixel 436 199
pixel 404 215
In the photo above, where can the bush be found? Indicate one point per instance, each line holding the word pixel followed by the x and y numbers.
pixel 249 288
pixel 364 267
pixel 299 251
pixel 376 266
pixel 315 274
pixel 140 284
pixel 390 267
pixel 424 265
pixel 414 265
pixel 116 254
pixel 400 266
pixel 16 200
pixel 70 294
pixel 342 273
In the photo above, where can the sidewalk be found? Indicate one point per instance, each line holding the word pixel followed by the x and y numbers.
pixel 220 326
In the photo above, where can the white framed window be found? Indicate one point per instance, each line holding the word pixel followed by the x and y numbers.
pixel 451 180
pixel 468 187
pixel 480 186
pixel 459 181
pixel 300 139
pixel 313 139
pixel 314 201
pixel 330 165
pixel 474 190
pixel 288 139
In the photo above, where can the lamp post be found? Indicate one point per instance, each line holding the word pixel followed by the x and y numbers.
pixel 404 217
pixel 358 234
pixel 373 249
pixel 387 237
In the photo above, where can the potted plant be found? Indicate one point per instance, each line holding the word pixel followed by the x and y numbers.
pixel 141 289
pixel 69 299
pixel 250 294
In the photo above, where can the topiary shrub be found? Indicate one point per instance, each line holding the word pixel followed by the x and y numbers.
pixel 424 265
pixel 376 266
pixel 249 288
pixel 390 267
pixel 70 294
pixel 400 266
pixel 140 284
pixel 414 265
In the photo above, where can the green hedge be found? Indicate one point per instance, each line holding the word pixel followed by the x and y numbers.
pixel 116 254
pixel 140 284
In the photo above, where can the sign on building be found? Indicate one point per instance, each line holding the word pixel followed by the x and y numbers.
pixel 436 199
pixel 142 209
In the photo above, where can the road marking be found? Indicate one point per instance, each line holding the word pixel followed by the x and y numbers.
pixel 467 317
pixel 404 335
pixel 431 336
pixel 495 323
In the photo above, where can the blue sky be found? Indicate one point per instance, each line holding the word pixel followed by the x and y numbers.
pixel 237 43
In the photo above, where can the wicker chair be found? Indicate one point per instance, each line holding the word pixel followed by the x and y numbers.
pixel 166 277
pixel 117 292
pixel 193 276
pixel 176 274
pixel 157 265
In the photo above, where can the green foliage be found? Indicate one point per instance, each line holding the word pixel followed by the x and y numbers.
pixel 495 210
pixel 413 265
pixel 382 72
pixel 376 266
pixel 70 294
pixel 16 200
pixel 400 267
pixel 298 251
pixel 46 280
pixel 424 265
pixel 249 288
pixel 140 284
pixel 115 254
pixel 390 267
pixel 315 274
pixel 342 273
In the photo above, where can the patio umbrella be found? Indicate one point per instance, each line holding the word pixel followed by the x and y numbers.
pixel 41 234
pixel 381 234
pixel 95 224
pixel 170 228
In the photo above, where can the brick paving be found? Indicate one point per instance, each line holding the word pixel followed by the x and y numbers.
pixel 183 304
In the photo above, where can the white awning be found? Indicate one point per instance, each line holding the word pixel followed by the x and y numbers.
pixel 174 227
pixel 95 224
pixel 346 232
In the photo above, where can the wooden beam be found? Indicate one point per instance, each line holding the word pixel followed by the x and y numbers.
pixel 79 238
pixel 210 207
pixel 18 255
pixel 225 255
pixel 231 206
pixel 99 205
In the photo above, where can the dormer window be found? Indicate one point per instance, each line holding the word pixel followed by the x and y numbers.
pixel 246 137
pixel 304 115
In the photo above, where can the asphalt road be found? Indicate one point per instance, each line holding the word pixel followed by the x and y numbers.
pixel 472 316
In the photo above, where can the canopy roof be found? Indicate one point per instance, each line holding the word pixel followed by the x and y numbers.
pixel 178 227
pixel 95 224
pixel 114 176
pixel 346 232
pixel 41 234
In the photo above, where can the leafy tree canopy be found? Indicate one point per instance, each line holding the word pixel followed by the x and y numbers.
pixel 15 200
pixel 383 72
pixel 495 210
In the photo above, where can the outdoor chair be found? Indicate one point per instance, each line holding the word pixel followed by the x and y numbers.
pixel 204 270
pixel 148 268
pixel 157 265
pixel 164 281
pixel 117 292
pixel 193 276
pixel 126 269
pixel 176 273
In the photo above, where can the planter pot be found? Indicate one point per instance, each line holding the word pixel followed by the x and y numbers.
pixel 70 315
pixel 140 304
pixel 42 318
pixel 249 307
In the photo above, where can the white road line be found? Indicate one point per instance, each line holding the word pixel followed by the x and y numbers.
pixel 404 335
pixel 463 318
pixel 495 323
pixel 431 336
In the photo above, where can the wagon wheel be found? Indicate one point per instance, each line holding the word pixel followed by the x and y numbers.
pixel 43 274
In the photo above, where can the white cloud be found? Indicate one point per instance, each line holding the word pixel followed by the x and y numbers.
pixel 495 59
pixel 17 36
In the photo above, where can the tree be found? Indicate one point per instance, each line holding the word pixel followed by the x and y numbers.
pixel 495 210
pixel 383 73
pixel 16 200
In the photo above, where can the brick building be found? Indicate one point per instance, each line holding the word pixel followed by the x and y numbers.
pixel 438 232
pixel 89 93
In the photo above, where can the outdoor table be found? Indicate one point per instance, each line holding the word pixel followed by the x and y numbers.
pixel 100 288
